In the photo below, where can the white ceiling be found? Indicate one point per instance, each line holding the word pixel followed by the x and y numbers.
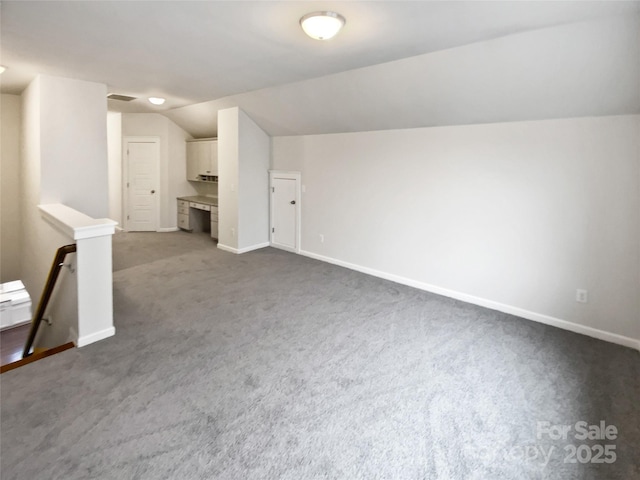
pixel 573 70
pixel 192 52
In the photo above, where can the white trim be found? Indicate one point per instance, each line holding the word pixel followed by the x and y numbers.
pixel 286 249
pixel 125 176
pixel 501 307
pixel 167 229
pixel 75 224
pixel 96 337
pixel 297 176
pixel 258 246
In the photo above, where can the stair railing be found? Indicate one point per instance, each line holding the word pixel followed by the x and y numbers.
pixel 58 263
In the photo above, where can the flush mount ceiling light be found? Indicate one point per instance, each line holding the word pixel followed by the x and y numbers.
pixel 156 100
pixel 322 25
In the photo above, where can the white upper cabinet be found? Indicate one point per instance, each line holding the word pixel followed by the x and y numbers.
pixel 193 161
pixel 209 158
pixel 202 158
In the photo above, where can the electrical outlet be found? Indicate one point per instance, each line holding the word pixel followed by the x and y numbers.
pixel 233 233
pixel 321 238
pixel 582 296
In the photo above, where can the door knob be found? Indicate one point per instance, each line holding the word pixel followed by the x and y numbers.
pixel 153 191
pixel 293 202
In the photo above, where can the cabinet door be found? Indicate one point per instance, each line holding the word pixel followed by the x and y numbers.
pixel 193 161
pixel 209 157
pixel 183 221
pixel 202 159
pixel 205 158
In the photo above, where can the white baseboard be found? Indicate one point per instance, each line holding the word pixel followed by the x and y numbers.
pixel 96 337
pixel 284 247
pixel 227 249
pixel 258 246
pixel 167 229
pixel 501 307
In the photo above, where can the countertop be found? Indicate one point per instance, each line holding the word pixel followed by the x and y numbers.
pixel 201 199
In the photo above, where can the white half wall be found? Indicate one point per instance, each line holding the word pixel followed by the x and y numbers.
pixel 92 274
pixel 515 216
pixel 10 211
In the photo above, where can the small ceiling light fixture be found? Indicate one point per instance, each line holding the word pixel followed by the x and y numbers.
pixel 322 25
pixel 2 68
pixel 156 100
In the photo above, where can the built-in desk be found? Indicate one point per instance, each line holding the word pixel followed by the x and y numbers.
pixel 198 213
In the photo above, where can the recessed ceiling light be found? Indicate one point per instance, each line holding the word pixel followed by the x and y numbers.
pixel 322 25
pixel 156 100
pixel 2 68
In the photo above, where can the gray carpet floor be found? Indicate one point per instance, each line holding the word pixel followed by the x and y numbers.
pixel 270 365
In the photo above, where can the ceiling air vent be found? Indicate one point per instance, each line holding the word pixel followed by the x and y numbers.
pixel 124 98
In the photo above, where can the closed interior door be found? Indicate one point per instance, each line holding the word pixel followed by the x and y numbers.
pixel 142 205
pixel 284 212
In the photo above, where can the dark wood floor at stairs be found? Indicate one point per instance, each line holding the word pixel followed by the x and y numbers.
pixel 12 344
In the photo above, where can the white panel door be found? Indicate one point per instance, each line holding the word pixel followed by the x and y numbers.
pixel 142 165
pixel 285 204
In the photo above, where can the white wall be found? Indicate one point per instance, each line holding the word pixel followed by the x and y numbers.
pixel 173 163
pixel 243 170
pixel 74 145
pixel 228 172
pixel 253 185
pixel 64 160
pixel 515 216
pixel 30 234
pixel 177 183
pixel 10 211
pixel 114 145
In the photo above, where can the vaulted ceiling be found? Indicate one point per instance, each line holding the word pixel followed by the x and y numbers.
pixel 203 56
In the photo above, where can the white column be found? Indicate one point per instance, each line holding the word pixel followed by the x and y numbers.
pixel 93 266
